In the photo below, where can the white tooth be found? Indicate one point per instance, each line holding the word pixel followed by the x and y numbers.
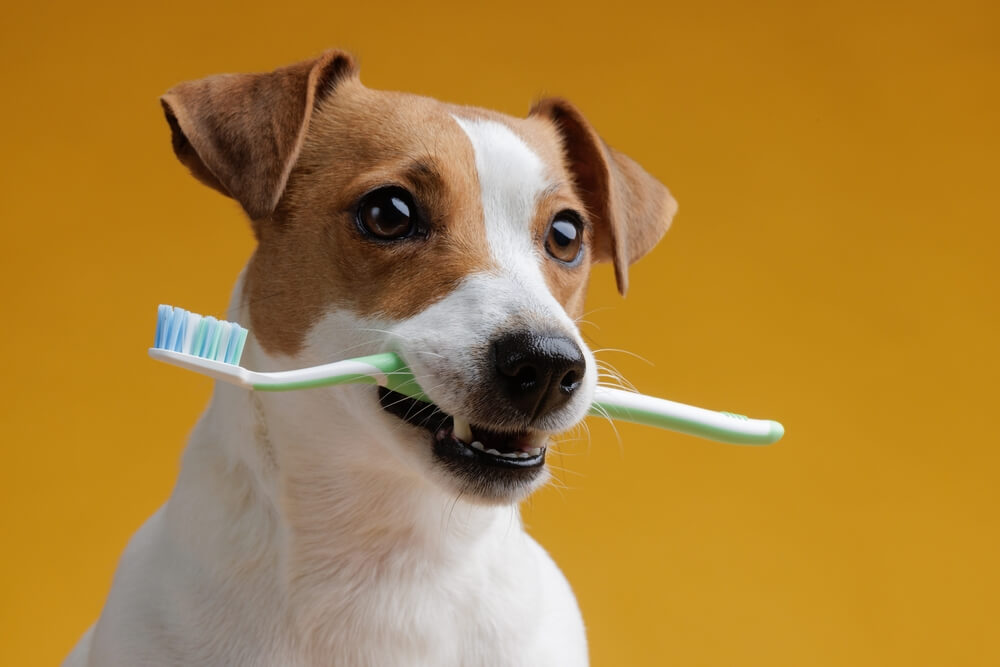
pixel 461 429
pixel 535 452
pixel 478 445
pixel 509 455
pixel 523 455
pixel 493 452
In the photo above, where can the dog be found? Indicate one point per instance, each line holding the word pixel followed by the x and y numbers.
pixel 351 525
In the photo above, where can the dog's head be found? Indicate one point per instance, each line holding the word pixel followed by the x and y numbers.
pixel 460 238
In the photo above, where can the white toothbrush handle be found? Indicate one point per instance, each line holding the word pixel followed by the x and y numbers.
pixel 338 372
pixel 230 373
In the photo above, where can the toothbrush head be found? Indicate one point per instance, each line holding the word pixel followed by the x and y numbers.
pixel 178 330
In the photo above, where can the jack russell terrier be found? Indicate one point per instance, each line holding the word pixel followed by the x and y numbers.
pixel 351 525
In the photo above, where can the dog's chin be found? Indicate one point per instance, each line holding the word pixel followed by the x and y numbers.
pixel 492 467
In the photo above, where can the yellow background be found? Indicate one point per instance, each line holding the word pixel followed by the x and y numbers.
pixel 833 265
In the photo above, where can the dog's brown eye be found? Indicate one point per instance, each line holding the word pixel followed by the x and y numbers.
pixel 388 214
pixel 564 240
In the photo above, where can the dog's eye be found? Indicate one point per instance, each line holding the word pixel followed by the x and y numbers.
pixel 388 214
pixel 564 240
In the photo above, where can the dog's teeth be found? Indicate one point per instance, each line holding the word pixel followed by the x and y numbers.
pixel 462 429
pixel 535 452
pixel 477 445
pixel 523 455
pixel 510 455
pixel 493 452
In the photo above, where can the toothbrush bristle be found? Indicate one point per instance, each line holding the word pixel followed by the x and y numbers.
pixel 178 330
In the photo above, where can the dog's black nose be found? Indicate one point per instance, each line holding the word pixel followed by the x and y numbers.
pixel 538 373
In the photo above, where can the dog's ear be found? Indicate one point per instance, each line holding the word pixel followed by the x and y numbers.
pixel 241 133
pixel 630 209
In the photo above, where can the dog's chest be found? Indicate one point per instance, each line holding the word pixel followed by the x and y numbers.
pixel 485 612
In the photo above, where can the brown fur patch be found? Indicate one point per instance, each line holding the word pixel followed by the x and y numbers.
pixel 312 257
pixel 630 209
pixel 241 133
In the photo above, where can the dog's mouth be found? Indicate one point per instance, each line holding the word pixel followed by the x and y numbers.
pixel 463 445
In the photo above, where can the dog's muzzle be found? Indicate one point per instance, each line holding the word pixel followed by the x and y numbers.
pixel 532 376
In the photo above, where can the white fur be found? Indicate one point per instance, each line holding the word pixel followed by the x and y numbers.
pixel 441 343
pixel 299 533
pixel 313 528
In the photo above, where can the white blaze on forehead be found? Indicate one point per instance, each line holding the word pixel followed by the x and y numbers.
pixel 447 344
pixel 511 178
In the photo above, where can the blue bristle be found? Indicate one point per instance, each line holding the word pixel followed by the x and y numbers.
pixel 211 338
pixel 198 337
pixel 234 344
pixel 176 325
pixel 230 343
pixel 162 317
pixel 210 326
pixel 181 332
pixel 220 350
pixel 234 349
pixel 168 329
pixel 238 352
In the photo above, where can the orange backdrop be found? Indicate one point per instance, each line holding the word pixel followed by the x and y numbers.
pixel 833 265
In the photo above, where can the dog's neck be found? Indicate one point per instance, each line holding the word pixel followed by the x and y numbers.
pixel 298 491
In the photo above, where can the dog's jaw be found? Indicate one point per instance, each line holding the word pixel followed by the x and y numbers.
pixel 347 431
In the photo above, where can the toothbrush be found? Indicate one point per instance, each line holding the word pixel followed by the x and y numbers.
pixel 213 347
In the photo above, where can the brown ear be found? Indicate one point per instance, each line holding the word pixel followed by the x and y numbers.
pixel 630 209
pixel 241 133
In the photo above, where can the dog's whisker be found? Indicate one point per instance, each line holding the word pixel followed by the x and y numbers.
pixel 405 398
pixel 563 452
pixel 586 430
pixel 601 412
pixel 617 384
pixel 605 369
pixel 565 470
pixel 555 480
pixel 618 350
pixel 597 310
pixel 422 409
pixel 614 376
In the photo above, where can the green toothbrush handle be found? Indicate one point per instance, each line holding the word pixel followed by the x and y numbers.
pixel 388 370
pixel 627 406
pixel 719 426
